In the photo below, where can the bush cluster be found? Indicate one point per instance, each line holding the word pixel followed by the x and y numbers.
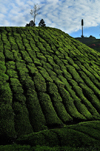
pixel 32 24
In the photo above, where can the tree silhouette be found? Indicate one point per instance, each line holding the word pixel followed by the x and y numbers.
pixel 42 23
pixel 32 24
pixel 27 25
pixel 35 12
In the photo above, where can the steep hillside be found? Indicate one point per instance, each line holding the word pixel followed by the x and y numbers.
pixel 48 80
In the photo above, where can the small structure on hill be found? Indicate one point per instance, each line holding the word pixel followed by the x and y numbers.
pixel 82 28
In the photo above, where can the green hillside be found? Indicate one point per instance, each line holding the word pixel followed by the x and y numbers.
pixel 49 88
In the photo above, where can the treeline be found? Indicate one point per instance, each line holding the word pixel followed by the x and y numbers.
pixel 32 24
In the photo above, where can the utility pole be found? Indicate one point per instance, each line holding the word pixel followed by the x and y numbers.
pixel 34 12
pixel 82 28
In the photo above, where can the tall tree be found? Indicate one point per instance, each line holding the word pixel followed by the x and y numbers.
pixel 34 12
pixel 82 28
pixel 42 23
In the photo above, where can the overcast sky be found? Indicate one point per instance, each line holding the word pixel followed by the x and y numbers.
pixel 65 15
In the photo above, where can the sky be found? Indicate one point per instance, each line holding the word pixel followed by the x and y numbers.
pixel 65 15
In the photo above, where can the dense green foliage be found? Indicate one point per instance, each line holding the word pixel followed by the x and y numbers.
pixel 49 83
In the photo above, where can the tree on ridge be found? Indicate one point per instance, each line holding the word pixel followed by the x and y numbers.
pixel 32 23
pixel 35 12
pixel 42 23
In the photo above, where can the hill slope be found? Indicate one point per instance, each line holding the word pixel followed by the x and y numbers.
pixel 48 80
pixel 90 41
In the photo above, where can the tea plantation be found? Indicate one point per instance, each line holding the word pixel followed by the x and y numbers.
pixel 49 89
